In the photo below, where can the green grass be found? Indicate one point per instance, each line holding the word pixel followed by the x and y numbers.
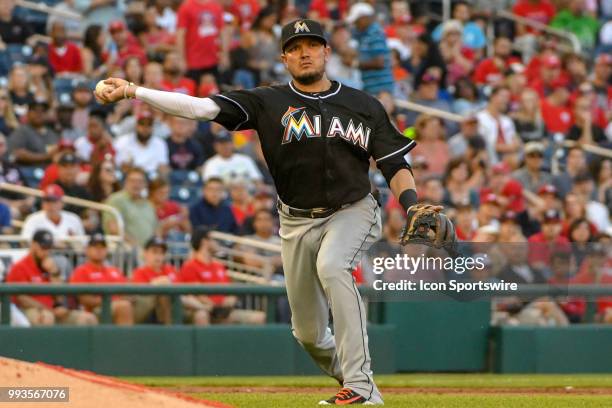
pixel 397 380
pixel 470 398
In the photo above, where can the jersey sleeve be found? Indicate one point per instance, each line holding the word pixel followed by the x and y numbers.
pixel 388 141
pixel 239 109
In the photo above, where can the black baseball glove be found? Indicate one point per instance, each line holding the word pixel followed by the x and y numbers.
pixel 426 225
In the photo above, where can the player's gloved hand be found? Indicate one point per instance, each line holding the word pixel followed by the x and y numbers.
pixel 425 224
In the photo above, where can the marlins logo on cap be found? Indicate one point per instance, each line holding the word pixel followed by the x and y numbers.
pixel 302 28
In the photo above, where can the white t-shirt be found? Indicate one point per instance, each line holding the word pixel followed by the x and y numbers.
pixel 488 129
pixel 148 157
pixel 83 148
pixel 235 167
pixel 70 225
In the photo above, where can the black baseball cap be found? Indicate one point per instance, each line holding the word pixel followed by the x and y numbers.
pixel 156 242
pixel 68 158
pixel 96 238
pixel 302 28
pixel 44 238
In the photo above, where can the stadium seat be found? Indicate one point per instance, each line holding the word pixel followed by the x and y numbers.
pixel 184 195
pixel 18 53
pixel 187 178
pixel 32 175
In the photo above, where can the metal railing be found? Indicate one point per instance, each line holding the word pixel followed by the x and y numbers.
pixel 43 8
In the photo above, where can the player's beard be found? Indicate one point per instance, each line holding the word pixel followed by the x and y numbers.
pixel 309 78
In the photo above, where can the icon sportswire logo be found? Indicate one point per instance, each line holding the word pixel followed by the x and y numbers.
pixel 297 123
pixel 301 27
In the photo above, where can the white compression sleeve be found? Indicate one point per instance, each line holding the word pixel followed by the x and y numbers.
pixel 179 104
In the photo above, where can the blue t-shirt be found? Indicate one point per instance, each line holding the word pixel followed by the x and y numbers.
pixel 372 44
pixel 473 37
pixel 5 216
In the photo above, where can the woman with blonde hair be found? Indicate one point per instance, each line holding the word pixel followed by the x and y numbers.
pixel 528 117
pixel 431 143
pixel 8 120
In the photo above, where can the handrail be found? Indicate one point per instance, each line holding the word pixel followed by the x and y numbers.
pixel 571 37
pixel 417 107
pixel 223 236
pixel 591 148
pixel 49 10
pixel 71 200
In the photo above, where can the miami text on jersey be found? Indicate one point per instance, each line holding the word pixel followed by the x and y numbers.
pixel 296 128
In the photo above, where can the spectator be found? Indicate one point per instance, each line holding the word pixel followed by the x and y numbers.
pixel 575 163
pixel 509 229
pixel 74 27
pixel 20 90
pixel 432 191
pixel 576 69
pixel 489 211
pixel 63 125
pixel 473 36
pixel 580 234
pixel 93 53
pixel 171 217
pixel 13 30
pixel 539 11
pixel 156 40
pixel 103 180
pixel 96 271
pixel 139 218
pixel 466 100
pixel 548 74
pixel 34 143
pixel 555 111
pixel 458 143
pixel 8 120
pixel 64 55
pixel 341 65
pixel 62 224
pixel 38 267
pixel 268 261
pixel 497 128
pixel 427 93
pixel 465 222
pixel 547 242
pixel 133 69
pixel 154 271
pixel 125 45
pixel 211 211
pixel 431 142
pixel 263 55
pixel 184 152
pixel 576 20
pixel 374 55
pixel 532 176
pixel 602 70
pixel 97 144
pixel 142 149
pixel 584 129
pixel 153 75
pixel 199 39
pixel 490 71
pixel 602 174
pixel 174 81
pixel 82 97
pixel 596 212
pixel 425 55
pixel 203 269
pixel 242 201
pixel 9 173
pixel 458 189
pixel 50 175
pixel 509 191
pixel 518 269
pixel 227 164
pixel 459 59
pixel 528 119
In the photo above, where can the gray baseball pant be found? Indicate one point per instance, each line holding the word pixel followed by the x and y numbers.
pixel 319 256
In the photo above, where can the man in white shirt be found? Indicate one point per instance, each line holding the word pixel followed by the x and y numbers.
pixel 142 149
pixel 497 128
pixel 61 224
pixel 228 165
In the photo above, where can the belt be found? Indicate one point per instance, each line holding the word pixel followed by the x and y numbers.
pixel 311 213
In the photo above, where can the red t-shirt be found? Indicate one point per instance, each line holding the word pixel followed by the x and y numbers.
pixel 26 271
pixel 542 12
pixel 131 49
pixel 145 274
pixel 488 72
pixel 513 191
pixel 245 11
pixel 323 12
pixel 556 118
pixel 184 85
pixel 202 21
pixel 169 209
pixel 240 215
pixel 65 59
pixel 89 273
pixel 194 271
pixel 540 250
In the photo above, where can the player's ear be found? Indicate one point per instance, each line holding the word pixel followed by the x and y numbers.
pixel 327 53
pixel 284 59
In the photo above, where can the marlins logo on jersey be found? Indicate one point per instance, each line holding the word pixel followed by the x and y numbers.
pixel 297 123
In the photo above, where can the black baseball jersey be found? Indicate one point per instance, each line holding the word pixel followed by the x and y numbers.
pixel 317 145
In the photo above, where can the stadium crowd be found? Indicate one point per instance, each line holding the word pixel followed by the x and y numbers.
pixel 504 172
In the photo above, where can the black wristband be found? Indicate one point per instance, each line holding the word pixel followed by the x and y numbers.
pixel 408 198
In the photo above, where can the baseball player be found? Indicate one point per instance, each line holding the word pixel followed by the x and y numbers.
pixel 317 137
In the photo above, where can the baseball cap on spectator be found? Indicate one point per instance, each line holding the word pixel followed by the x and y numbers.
pixel 451 26
pixel 44 238
pixel 116 26
pixel 53 192
pixel 551 61
pixel 67 159
pixel 66 144
pixel 490 198
pixel 509 216
pixel 156 242
pixel 82 86
pixel 37 103
pixel 223 136
pixel 500 168
pixel 96 238
pixel 548 189
pixel 603 59
pixel 534 147
pixel 302 28
pixel 359 10
pixel 144 115
pixel 551 216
